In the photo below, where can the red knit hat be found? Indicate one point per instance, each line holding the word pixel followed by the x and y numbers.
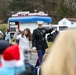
pixel 11 56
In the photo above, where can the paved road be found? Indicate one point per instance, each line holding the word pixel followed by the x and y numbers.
pixel 33 58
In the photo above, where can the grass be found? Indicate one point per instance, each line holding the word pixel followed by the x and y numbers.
pixel 50 44
pixel 4 25
pixel 48 50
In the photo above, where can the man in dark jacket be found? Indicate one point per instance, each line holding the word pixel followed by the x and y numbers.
pixel 39 42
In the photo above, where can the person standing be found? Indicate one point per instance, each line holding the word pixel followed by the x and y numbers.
pixel 39 42
pixel 25 41
pixel 7 35
pixel 18 32
pixel 1 35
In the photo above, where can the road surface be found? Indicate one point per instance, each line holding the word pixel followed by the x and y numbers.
pixel 33 58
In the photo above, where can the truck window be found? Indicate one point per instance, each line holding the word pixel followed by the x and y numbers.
pixel 62 27
pixel 47 28
pixel 54 27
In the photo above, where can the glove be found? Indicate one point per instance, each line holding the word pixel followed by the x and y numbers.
pixel 34 48
pixel 53 32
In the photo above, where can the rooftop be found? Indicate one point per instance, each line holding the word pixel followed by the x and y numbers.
pixel 71 19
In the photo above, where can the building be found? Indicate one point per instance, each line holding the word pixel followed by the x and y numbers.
pixel 70 22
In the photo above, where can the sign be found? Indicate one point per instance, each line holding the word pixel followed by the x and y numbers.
pixel 13 23
pixel 13 26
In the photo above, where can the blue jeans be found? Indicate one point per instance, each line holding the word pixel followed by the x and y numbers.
pixel 40 57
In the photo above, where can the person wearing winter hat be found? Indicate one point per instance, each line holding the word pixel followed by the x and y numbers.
pixel 3 45
pixel 11 61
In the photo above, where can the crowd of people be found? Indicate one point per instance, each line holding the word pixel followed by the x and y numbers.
pixel 14 58
pixel 61 60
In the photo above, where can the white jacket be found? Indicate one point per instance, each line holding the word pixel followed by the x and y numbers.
pixel 24 43
pixel 7 36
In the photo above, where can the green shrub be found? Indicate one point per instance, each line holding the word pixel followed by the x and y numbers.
pixel 3 28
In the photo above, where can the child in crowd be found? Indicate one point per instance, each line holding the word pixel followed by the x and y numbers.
pixel 12 61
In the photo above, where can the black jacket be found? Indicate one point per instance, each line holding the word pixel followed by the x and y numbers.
pixel 39 40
